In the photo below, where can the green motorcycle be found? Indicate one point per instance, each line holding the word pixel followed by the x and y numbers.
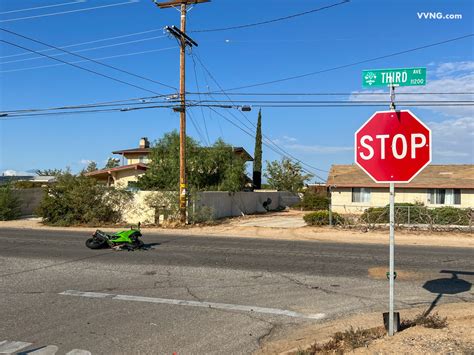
pixel 127 239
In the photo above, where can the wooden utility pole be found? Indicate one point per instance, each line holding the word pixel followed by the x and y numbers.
pixel 184 41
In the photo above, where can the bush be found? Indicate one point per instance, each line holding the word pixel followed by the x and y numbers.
pixel 81 200
pixel 321 218
pixel 9 204
pixel 313 202
pixel 407 213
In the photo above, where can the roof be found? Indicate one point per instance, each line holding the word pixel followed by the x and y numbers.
pixel 238 150
pixel 133 151
pixel 433 176
pixel 138 166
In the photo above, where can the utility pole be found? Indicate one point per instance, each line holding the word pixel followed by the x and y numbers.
pixel 184 40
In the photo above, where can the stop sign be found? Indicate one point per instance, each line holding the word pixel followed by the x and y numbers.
pixel 393 146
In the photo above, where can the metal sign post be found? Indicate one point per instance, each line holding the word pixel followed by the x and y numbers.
pixel 391 266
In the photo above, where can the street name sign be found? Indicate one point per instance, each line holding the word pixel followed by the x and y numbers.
pixel 393 146
pixel 394 77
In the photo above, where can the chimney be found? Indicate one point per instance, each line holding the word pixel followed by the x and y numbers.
pixel 144 143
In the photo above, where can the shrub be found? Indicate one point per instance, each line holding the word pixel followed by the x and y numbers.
pixel 313 202
pixel 81 200
pixel 321 218
pixel 417 214
pixel 9 204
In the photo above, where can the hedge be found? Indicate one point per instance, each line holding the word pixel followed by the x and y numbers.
pixel 321 218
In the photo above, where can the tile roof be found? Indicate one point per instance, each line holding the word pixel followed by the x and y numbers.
pixel 433 176
pixel 138 166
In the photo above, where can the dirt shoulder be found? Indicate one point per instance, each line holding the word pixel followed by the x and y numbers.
pixel 456 338
pixel 260 226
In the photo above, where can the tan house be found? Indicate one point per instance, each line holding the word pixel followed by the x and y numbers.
pixel 134 164
pixel 352 190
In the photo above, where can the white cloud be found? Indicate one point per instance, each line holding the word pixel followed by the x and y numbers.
pixel 454 138
pixel 10 172
pixel 446 77
pixel 85 161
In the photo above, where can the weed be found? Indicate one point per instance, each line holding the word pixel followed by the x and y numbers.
pixel 433 321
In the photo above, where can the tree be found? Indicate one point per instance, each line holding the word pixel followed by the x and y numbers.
pixel 9 204
pixel 92 166
pixel 49 172
pixel 112 163
pixel 257 162
pixel 207 168
pixel 81 200
pixel 286 175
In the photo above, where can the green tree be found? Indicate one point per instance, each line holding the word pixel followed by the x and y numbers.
pixel 257 162
pixel 112 163
pixel 81 200
pixel 49 172
pixel 207 168
pixel 9 204
pixel 92 166
pixel 286 175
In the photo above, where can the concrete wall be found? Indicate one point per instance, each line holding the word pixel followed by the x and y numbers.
pixel 342 199
pixel 222 204
pixel 29 199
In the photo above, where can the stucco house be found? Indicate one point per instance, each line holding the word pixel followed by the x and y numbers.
pixel 134 164
pixel 352 190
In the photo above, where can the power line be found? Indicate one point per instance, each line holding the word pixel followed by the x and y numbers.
pixel 70 11
pixel 83 61
pixel 199 96
pixel 85 58
pixel 273 20
pixel 82 68
pixel 86 49
pixel 351 64
pixel 83 43
pixel 263 135
pixel 75 2
pixel 324 93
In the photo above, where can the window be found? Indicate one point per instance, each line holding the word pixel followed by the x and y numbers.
pixel 360 194
pixel 444 196
pixel 143 159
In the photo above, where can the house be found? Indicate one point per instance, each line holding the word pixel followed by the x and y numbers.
pixel 134 165
pixel 352 190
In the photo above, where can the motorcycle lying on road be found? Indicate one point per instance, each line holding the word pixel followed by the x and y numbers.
pixel 123 240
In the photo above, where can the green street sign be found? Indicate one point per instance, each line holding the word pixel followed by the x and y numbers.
pixel 395 77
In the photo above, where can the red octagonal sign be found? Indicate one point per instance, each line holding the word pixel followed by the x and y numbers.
pixel 393 146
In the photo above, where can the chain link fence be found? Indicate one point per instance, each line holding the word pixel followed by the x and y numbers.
pixel 407 216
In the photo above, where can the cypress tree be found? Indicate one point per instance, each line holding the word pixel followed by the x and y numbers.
pixel 257 162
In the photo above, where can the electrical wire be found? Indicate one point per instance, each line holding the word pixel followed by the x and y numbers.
pixel 83 43
pixel 70 11
pixel 82 68
pixel 43 7
pixel 199 96
pixel 324 93
pixel 83 61
pixel 86 49
pixel 272 20
pixel 351 64
pixel 263 135
pixel 85 58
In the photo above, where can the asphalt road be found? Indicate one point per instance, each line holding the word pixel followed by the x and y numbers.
pixel 201 295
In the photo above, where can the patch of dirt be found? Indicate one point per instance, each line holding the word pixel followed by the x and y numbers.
pixel 456 338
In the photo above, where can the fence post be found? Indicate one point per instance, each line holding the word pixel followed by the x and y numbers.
pixel 409 215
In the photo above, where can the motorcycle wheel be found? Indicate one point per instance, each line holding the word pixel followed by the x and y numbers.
pixel 91 243
pixel 138 244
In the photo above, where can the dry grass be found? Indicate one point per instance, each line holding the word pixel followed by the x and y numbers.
pixel 346 341
pixel 433 321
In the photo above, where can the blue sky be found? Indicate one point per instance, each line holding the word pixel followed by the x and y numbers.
pixel 351 32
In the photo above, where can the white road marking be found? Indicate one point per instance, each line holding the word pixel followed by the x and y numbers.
pixel 47 350
pixel 212 305
pixel 10 347
pixel 86 294
pixel 78 352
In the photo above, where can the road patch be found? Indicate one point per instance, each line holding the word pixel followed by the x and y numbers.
pixel 210 305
